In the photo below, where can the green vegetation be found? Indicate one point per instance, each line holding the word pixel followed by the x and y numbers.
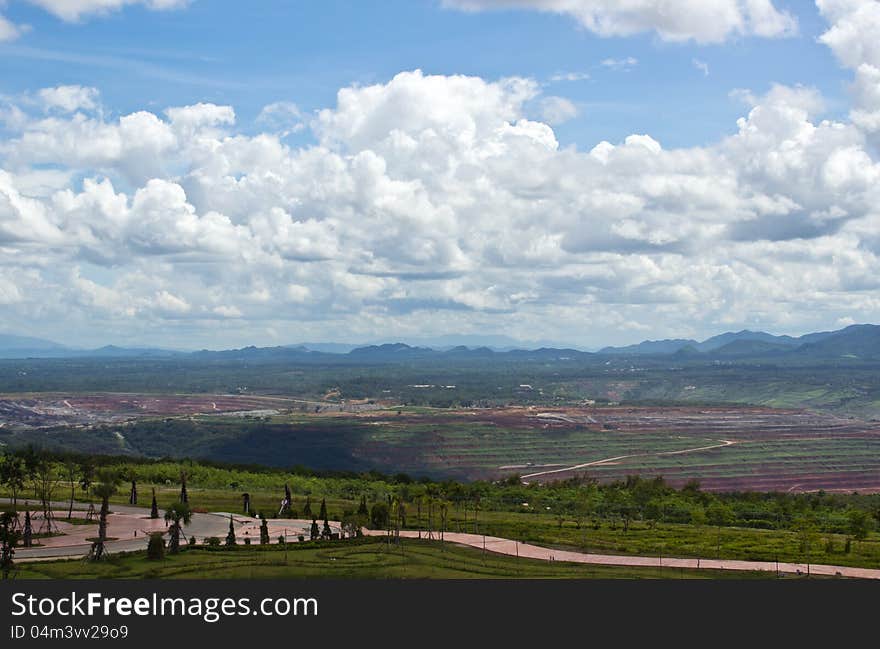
pixel 364 559
pixel 837 383
pixel 635 516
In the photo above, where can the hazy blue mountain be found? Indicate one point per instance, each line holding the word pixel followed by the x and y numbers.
pixel 327 348
pixel 651 347
pixel 859 341
pixel 125 352
pixel 27 347
pixel 856 341
pixel 746 347
pixel 716 342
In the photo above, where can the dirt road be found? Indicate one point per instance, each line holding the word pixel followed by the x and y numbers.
pixel 607 460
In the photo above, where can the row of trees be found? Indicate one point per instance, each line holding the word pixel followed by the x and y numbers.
pixel 581 501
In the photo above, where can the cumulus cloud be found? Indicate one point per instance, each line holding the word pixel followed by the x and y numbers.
pixel 854 37
pixel 703 21
pixel 69 99
pixel 430 203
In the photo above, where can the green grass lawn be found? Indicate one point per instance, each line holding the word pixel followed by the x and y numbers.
pixel 364 559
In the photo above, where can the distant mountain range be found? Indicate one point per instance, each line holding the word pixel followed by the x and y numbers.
pixel 856 341
pixel 740 342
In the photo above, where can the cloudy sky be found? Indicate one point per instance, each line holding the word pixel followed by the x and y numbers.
pixel 216 173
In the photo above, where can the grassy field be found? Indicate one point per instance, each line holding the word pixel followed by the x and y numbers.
pixel 367 559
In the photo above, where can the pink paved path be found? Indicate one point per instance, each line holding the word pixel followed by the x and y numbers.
pixel 515 548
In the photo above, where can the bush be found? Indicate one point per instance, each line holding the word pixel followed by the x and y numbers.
pixel 212 541
pixel 156 547
pixel 379 516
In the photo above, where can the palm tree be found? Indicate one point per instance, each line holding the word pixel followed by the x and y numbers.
pixel 177 515
pixel 108 483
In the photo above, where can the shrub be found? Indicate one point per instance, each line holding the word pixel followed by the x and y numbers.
pixel 212 541
pixel 156 547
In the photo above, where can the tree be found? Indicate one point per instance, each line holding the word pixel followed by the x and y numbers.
pixel 8 539
pixel 46 481
pixel 184 496
pixel 154 508
pixel 352 522
pixel 719 515
pixel 314 532
pixel 178 515
pixel 12 474
pixel 307 508
pixel 86 475
pixel 323 513
pixel 230 536
pixel 28 528
pixel 108 483
pixel 379 516
pixel 858 523
pixel 264 530
pixel 326 533
pixel 156 547
pixel 71 470
pixel 362 508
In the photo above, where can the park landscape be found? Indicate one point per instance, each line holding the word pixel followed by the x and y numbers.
pixel 573 474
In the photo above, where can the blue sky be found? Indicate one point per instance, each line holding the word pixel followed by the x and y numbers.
pixel 251 54
pixel 193 173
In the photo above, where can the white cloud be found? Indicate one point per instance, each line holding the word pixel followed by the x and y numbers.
pixel 570 76
pixel 433 193
pixel 75 10
pixel 702 66
pixel 854 37
pixel 556 110
pixel 9 31
pixel 283 117
pixel 620 64
pixel 703 21
pixel 69 99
